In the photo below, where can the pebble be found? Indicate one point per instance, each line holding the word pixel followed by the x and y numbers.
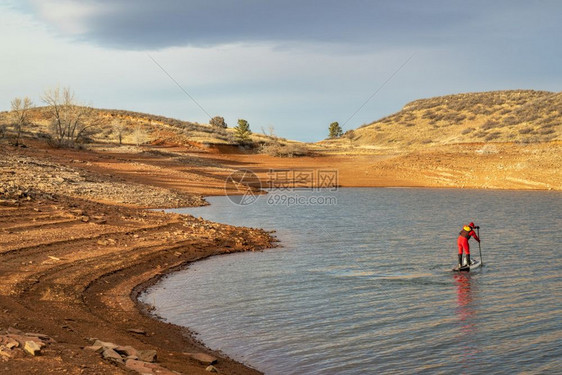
pixel 32 348
pixel 203 358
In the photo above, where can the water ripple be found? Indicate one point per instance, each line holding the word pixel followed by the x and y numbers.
pixel 374 294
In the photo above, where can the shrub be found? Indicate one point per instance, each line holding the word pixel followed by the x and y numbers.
pixel 458 117
pixel 492 136
pixel 429 115
pixel 218 121
pixel 546 131
pixel 510 120
pixel 284 150
pixel 467 130
pixel 480 134
pixel 490 124
pixel 526 130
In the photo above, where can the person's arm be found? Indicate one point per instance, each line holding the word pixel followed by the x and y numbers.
pixel 473 234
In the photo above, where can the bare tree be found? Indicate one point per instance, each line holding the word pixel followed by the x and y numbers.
pixel 119 129
pixel 20 115
pixel 139 135
pixel 270 132
pixel 70 122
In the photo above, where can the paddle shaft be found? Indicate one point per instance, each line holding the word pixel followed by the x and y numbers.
pixel 479 247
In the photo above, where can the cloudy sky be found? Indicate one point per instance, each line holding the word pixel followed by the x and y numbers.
pixel 294 65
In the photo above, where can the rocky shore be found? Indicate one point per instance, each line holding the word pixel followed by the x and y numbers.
pixel 25 175
pixel 75 251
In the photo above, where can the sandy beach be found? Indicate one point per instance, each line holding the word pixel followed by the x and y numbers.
pixel 77 244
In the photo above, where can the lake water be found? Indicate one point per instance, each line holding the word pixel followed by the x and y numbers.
pixel 362 284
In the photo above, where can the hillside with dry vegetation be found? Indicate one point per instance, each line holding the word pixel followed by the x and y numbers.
pixel 522 116
pixel 112 126
pixel 106 125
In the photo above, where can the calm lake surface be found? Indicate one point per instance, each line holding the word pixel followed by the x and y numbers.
pixel 362 284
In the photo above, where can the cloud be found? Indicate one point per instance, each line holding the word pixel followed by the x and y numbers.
pixel 295 65
pixel 148 24
pixel 68 15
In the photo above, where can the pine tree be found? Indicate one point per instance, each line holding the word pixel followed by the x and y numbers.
pixel 335 130
pixel 242 131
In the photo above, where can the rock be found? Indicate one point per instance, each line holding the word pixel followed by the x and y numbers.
pixel 95 348
pixel 85 218
pixel 137 366
pixel 40 336
pixel 14 331
pixel 105 344
pixel 32 348
pixel 11 344
pixel 127 351
pixel 204 359
pixel 22 339
pixel 147 368
pixel 138 331
pixel 112 355
pixel 211 369
pixel 147 355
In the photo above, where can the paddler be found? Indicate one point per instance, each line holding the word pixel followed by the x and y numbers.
pixel 464 235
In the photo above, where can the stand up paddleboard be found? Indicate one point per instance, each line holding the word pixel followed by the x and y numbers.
pixel 474 264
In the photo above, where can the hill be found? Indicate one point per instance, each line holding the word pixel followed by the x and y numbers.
pixel 136 128
pixel 523 116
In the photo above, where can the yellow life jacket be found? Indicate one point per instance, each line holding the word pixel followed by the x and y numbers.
pixel 465 232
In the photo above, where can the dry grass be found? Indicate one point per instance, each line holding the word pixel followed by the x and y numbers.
pixel 523 116
pixel 284 150
pixel 155 129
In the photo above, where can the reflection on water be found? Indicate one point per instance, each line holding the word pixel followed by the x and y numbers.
pixel 465 308
pixel 365 286
pixel 467 318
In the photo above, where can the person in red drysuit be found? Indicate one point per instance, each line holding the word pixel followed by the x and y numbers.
pixel 464 235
